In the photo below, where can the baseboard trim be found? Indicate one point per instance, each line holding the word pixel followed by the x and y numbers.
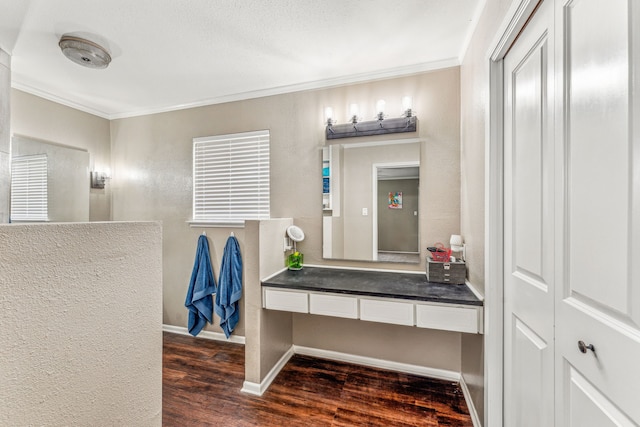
pixel 472 408
pixel 252 388
pixel 258 389
pixel 441 374
pixel 209 335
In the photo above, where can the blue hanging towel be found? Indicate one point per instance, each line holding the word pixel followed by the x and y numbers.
pixel 202 284
pixel 230 286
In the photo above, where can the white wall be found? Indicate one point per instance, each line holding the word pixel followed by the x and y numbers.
pixel 81 316
pixel 5 116
pixel 474 103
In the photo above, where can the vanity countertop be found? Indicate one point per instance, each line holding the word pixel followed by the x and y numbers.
pixel 408 286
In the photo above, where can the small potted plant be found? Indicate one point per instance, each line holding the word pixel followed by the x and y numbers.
pixel 295 261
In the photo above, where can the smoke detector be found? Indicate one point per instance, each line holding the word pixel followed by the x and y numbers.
pixel 84 52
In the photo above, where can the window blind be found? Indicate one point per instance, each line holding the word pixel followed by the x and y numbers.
pixel 29 188
pixel 231 177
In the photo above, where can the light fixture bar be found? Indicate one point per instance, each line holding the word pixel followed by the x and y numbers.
pixel 373 127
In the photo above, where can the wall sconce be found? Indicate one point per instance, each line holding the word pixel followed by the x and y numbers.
pixel 99 179
pixel 381 126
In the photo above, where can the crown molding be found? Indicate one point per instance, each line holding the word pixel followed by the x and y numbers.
pixel 314 85
pixel 58 99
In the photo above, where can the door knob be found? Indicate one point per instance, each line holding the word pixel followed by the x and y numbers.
pixel 584 347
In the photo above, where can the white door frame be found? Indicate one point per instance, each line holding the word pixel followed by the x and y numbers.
pixel 515 19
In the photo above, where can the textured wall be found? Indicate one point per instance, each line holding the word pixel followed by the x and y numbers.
pixel 38 118
pixel 81 314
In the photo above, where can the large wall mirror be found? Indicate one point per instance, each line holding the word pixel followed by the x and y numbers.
pixel 370 201
pixel 50 182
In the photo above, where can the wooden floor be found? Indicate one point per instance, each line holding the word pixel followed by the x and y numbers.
pixel 202 381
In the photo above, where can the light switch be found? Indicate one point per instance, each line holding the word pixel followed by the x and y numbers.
pixel 415 213
pixel 365 211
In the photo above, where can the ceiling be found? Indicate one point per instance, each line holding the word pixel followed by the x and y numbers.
pixel 171 54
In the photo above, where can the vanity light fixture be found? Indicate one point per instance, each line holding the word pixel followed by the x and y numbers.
pixel 381 126
pixel 99 179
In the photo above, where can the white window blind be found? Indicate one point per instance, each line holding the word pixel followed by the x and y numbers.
pixel 231 177
pixel 29 188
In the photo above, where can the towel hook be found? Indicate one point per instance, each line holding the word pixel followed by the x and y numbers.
pixel 204 233
pixel 232 234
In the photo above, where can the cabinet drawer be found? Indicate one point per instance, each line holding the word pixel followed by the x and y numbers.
pixel 333 305
pixel 447 318
pixel 297 302
pixel 398 313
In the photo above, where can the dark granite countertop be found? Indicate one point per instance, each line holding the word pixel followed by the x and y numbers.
pixel 384 284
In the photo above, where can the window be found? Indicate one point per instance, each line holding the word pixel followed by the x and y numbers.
pixel 231 178
pixel 29 188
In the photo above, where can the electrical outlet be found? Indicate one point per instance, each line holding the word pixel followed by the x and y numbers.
pixel 365 211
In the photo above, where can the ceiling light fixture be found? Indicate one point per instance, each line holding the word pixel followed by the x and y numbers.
pixel 84 52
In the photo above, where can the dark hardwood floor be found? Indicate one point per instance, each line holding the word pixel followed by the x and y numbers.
pixel 202 381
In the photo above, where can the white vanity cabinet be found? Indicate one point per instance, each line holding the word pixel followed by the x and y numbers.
pixel 333 305
pixel 406 299
pixel 386 311
pixel 449 317
pixel 422 314
pixel 285 300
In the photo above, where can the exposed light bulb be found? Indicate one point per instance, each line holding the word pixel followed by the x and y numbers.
pixel 353 113
pixel 328 115
pixel 380 106
pixel 407 105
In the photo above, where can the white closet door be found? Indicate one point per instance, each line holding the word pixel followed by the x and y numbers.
pixel 599 300
pixel 529 224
